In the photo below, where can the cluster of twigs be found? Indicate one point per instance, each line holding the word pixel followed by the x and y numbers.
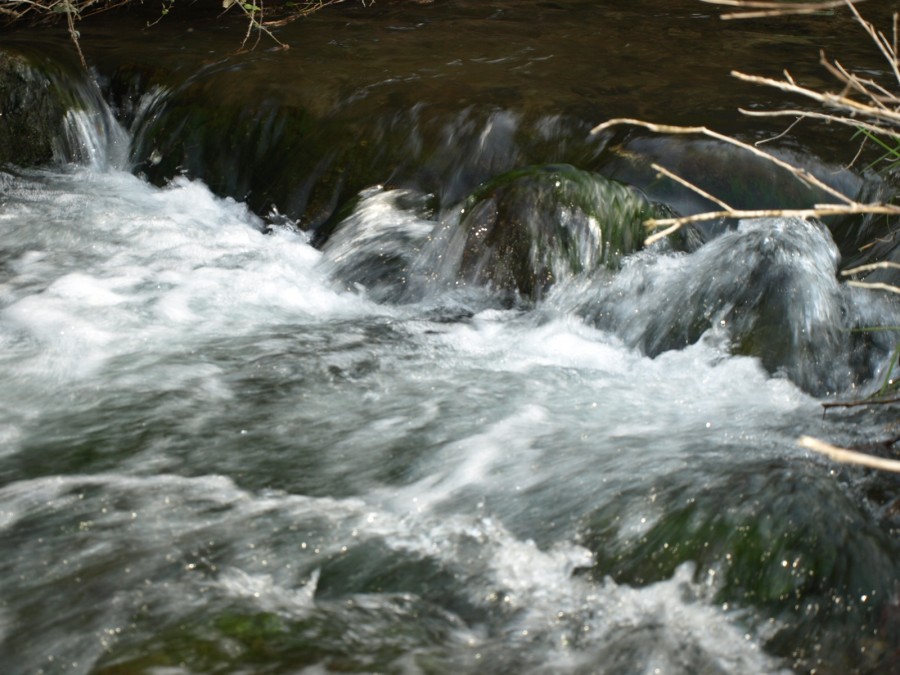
pixel 869 107
pixel 260 19
pixel 858 102
pixel 844 205
pixel 41 11
pixel 45 11
pixel 861 103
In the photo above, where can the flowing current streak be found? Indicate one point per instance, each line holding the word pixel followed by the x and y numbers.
pixel 113 292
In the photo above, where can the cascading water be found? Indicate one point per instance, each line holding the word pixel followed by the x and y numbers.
pixel 226 450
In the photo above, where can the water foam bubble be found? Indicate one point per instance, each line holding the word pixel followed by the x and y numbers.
pixel 136 265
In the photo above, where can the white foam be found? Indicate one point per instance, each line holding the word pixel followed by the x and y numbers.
pixel 566 623
pixel 267 595
pixel 503 342
pixel 136 268
pixel 473 461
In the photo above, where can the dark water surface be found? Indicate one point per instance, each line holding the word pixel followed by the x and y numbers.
pixel 270 405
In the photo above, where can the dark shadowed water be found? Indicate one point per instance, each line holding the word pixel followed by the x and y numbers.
pixel 342 437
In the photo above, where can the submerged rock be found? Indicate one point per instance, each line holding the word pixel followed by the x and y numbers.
pixel 528 228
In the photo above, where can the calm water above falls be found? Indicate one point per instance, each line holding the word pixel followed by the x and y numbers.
pixel 225 450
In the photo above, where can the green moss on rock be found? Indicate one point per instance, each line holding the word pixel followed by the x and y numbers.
pixel 32 111
pixel 530 227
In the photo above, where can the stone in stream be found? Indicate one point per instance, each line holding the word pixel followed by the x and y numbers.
pixel 529 228
pixel 769 288
pixel 781 535
pixel 32 111
pixel 49 107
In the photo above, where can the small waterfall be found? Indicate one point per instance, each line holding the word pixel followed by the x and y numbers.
pixel 55 113
pixel 145 113
pixel 377 245
pixel 768 289
pixel 93 137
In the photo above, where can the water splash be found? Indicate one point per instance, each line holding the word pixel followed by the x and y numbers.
pixel 767 289
pixel 94 138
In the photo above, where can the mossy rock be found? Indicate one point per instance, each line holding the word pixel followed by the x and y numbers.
pixel 529 228
pixel 32 110
pixel 782 538
pixel 39 88
pixel 358 634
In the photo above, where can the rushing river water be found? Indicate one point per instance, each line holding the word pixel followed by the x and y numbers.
pixel 224 449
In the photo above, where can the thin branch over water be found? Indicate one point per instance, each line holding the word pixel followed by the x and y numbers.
pixel 846 456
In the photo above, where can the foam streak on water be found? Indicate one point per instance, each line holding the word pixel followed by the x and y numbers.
pixel 216 458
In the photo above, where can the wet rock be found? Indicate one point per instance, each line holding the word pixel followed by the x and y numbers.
pixel 768 289
pixel 32 111
pixel 52 111
pixel 783 537
pixel 531 227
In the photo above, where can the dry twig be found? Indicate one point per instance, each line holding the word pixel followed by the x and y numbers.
pixel 875 286
pixel 43 11
pixel 767 9
pixel 848 456
pixel 703 193
pixel 878 114
pixel 859 404
pixel 882 265
pixel 848 206
pixel 831 100
pixel 801 174
pixel 819 211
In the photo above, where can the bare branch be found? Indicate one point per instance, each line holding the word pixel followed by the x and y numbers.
pixel 827 99
pixel 848 121
pixel 848 456
pixel 678 179
pixel 662 234
pixel 876 286
pixel 851 81
pixel 860 404
pixel 797 121
pixel 71 13
pixel 884 264
pixel 767 9
pixel 777 4
pixel 889 52
pixel 820 211
pixel 802 174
